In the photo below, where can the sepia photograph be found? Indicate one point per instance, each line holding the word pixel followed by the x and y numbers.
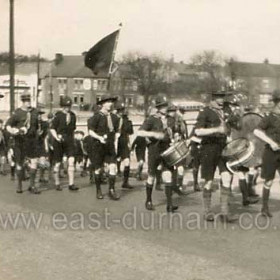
pixel 139 139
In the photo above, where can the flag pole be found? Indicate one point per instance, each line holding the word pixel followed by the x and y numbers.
pixel 113 58
pixel 51 88
pixel 38 78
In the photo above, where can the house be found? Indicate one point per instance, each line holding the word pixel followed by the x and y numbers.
pixel 69 76
pixel 26 81
pixel 259 80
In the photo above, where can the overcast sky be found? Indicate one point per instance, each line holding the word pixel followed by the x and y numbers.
pixel 246 29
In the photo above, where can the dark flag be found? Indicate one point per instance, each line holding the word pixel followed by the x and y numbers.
pixel 100 56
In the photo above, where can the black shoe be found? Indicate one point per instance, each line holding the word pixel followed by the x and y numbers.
pixel 197 188
pixel 149 206
pixel 209 217
pixel 58 188
pixel 171 208
pixel 34 190
pixel 73 188
pixel 250 200
pixel 266 213
pixel 113 195
pixel 19 191
pixel 99 194
pixel 228 218
pixel 126 186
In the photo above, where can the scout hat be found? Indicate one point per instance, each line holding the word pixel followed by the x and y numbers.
pixel 161 101
pixel 50 116
pixel 119 106
pixel 65 101
pixel 106 98
pixel 25 97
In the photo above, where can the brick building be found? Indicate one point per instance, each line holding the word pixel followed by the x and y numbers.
pixel 70 77
pixel 257 79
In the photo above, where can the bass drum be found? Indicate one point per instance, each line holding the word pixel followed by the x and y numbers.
pixel 249 123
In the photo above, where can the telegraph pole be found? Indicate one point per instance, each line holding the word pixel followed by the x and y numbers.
pixel 12 59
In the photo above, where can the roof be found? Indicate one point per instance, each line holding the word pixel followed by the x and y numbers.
pixel 72 66
pixel 256 69
pixel 26 68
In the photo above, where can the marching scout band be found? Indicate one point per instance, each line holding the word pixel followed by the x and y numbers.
pixel 31 144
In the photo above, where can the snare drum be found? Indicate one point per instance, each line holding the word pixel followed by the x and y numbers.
pixel 238 153
pixel 250 122
pixel 175 153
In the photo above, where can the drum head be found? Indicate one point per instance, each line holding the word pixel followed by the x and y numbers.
pixel 175 153
pixel 249 123
pixel 235 147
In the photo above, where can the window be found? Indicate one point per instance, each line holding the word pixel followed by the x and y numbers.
pixel 129 101
pixel 62 83
pixel 101 84
pixel 128 85
pixel 81 99
pixel 94 84
pixel 78 83
pixel 265 83
pixel 134 86
pixel 75 99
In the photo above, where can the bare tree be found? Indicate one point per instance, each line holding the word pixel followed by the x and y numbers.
pixel 149 71
pixel 20 58
pixel 209 64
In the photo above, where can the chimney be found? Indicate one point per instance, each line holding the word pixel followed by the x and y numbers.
pixel 58 58
pixel 266 61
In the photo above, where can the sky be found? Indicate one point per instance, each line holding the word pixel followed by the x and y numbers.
pixel 245 29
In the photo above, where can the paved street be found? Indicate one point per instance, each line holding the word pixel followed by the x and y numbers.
pixel 80 237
